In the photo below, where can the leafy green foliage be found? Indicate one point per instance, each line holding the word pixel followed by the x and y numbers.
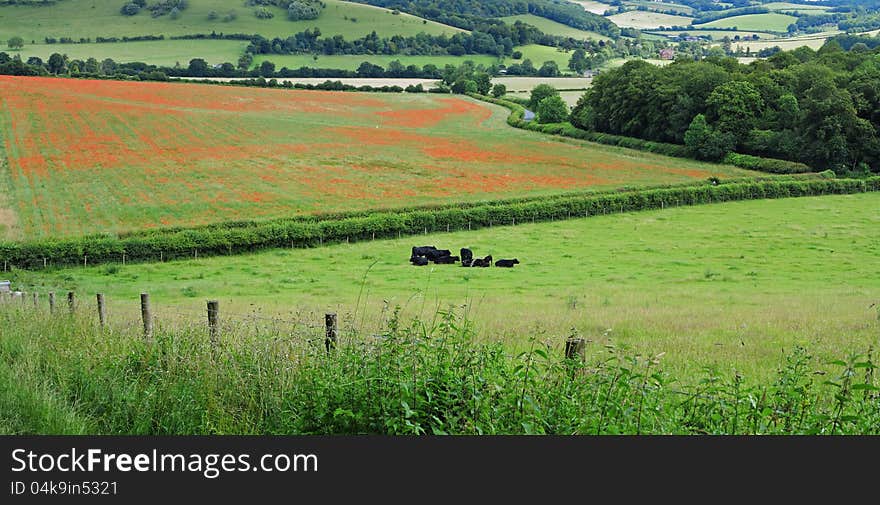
pixel 552 110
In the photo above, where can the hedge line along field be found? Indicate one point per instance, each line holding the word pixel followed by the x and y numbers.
pixel 735 285
pixel 160 154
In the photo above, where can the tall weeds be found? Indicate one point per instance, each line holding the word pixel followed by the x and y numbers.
pixel 64 375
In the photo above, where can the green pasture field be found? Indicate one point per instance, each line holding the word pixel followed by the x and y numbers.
pixel 648 19
pixel 539 54
pixel 772 22
pixel 158 52
pixel 552 27
pixel 101 18
pixel 353 61
pixel 735 285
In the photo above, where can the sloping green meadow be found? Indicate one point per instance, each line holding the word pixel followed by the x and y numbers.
pixel 733 285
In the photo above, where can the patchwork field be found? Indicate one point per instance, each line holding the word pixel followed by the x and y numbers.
pixel 735 284
pixel 163 154
pixel 101 18
pixel 648 19
pixel 772 22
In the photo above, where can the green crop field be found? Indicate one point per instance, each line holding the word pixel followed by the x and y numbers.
pixel 539 54
pixel 648 19
pixel 758 22
pixel 353 61
pixel 734 284
pixel 159 52
pixel 101 18
pixel 554 28
pixel 163 154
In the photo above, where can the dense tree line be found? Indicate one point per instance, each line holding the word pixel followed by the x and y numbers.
pixel 467 14
pixel 496 39
pixel 821 107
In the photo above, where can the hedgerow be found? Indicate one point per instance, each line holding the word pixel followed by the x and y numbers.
pixel 233 238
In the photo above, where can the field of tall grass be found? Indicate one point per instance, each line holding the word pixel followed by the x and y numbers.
pixel 63 374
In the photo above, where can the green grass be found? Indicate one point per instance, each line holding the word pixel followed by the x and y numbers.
pixel 731 285
pixel 415 378
pixel 94 18
pixel 552 27
pixel 539 54
pixel 754 22
pixel 162 52
pixel 648 19
pixel 353 61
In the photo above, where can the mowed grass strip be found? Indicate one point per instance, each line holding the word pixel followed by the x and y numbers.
pixel 108 156
pixel 101 18
pixel 735 285
pixel 648 19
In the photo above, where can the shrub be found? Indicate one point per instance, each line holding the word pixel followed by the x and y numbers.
pixel 552 110
pixel 130 9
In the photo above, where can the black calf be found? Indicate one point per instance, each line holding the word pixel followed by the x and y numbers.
pixel 506 263
pixel 446 260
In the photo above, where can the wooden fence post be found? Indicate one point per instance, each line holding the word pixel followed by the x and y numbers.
pixel 71 301
pixel 331 331
pixel 102 311
pixel 147 316
pixel 51 302
pixel 36 301
pixel 213 312
pixel 575 348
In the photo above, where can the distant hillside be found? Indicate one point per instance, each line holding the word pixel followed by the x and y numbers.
pixel 102 18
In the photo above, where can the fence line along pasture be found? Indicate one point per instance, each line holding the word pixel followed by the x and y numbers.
pixel 216 324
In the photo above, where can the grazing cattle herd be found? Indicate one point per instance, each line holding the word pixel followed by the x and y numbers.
pixel 422 255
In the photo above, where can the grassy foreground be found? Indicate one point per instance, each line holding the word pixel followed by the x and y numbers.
pixel 733 285
pixel 63 375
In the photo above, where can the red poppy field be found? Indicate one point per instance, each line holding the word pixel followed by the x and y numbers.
pixel 81 156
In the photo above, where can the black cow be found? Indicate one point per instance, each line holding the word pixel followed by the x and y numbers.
pixel 419 261
pixel 423 250
pixel 446 260
pixel 482 262
pixel 467 257
pixel 506 263
pixel 438 253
